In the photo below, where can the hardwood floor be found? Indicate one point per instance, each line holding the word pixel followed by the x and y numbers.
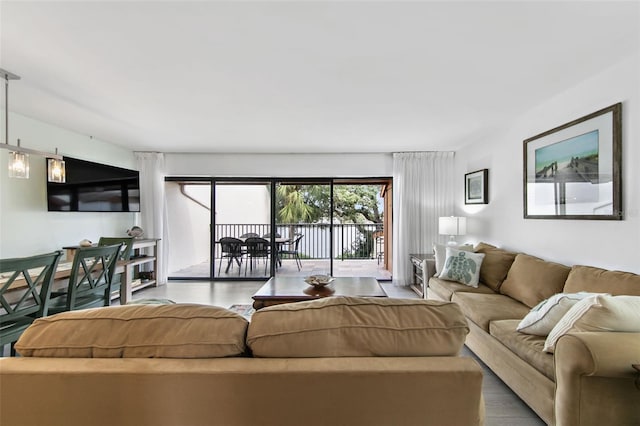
pixel 503 407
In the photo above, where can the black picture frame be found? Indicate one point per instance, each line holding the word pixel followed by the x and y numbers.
pixel 476 187
pixel 574 171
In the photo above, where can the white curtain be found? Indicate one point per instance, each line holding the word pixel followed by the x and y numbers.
pixel 423 187
pixel 153 204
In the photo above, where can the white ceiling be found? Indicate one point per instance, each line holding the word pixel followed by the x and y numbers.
pixel 266 76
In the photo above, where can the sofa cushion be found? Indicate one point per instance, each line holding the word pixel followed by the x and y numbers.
pixel 526 346
pixel 598 313
pixel 137 331
pixel 596 280
pixel 546 314
pixel 495 265
pixel 444 289
pixel 462 266
pixel 358 326
pixel 531 280
pixel 484 308
pixel 440 254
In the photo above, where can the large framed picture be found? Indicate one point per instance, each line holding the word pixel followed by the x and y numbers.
pixel 476 187
pixel 574 171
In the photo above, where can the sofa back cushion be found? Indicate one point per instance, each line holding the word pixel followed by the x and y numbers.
pixel 596 280
pixel 495 265
pixel 531 280
pixel 137 331
pixel 355 326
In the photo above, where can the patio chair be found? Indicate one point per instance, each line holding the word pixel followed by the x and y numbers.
pixel 291 249
pixel 24 294
pixel 90 280
pixel 231 249
pixel 256 248
pixel 379 248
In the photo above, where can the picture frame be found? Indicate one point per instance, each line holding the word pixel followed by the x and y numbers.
pixel 574 171
pixel 476 187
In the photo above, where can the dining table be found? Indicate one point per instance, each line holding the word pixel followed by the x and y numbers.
pixel 278 240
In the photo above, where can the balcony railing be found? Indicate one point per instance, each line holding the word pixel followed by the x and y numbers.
pixel 350 241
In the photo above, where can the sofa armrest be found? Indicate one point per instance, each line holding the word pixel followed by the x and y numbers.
pixel 428 268
pixel 595 380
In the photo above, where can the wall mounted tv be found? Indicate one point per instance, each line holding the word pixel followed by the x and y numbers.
pixel 94 187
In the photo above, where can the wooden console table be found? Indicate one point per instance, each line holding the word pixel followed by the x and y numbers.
pixel 418 283
pixel 132 278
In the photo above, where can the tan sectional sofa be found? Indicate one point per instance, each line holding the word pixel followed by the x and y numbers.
pixel 336 361
pixel 589 379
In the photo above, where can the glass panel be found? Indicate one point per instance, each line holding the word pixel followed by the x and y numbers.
pixel 303 221
pixel 359 230
pixel 243 212
pixel 188 220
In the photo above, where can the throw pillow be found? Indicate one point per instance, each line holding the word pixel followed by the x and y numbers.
pixel 598 313
pixel 137 331
pixel 357 327
pixel 462 266
pixel 546 314
pixel 440 253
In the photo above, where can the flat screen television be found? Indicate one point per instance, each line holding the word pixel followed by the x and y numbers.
pixel 94 187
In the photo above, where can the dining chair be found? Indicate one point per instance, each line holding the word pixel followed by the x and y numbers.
pixel 231 249
pixel 270 235
pixel 291 249
pixel 125 254
pixel 90 280
pixel 25 287
pixel 256 248
pixel 379 248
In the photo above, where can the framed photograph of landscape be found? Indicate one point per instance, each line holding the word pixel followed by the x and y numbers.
pixel 476 187
pixel 574 171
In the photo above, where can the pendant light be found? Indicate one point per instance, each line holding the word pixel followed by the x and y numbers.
pixel 19 156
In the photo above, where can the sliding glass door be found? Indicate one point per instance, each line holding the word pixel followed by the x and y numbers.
pixel 242 229
pixel 303 218
pixel 188 221
pixel 340 227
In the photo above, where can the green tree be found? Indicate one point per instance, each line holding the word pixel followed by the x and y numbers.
pixel 353 204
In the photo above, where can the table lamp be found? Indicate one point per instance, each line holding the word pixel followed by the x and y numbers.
pixel 452 226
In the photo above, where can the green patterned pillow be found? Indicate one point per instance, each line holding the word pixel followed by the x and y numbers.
pixel 462 266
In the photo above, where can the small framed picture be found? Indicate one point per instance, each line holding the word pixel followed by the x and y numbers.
pixel 476 187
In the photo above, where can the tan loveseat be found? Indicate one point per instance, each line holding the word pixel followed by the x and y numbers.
pixel 589 379
pixel 336 361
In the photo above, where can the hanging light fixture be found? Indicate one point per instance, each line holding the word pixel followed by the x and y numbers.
pixel 18 164
pixel 55 170
pixel 19 156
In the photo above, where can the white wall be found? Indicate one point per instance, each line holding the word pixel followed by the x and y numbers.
pixel 243 204
pixel 26 227
pixel 280 165
pixel 606 244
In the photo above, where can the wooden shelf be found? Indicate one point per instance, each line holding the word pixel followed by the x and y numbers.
pixel 417 276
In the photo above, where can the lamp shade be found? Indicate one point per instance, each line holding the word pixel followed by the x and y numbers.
pixel 56 171
pixel 452 225
pixel 18 165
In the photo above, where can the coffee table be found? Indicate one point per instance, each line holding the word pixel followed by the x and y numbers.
pixel 280 290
